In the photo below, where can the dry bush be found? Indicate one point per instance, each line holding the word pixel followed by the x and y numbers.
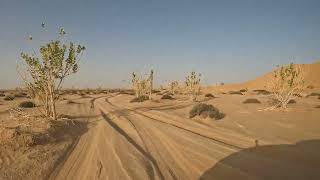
pixel 174 87
pixel 262 92
pixel 2 95
pixel 44 74
pixel 235 92
pixel 20 95
pixel 193 85
pixel 142 86
pixel 141 98
pixel 206 110
pixel 292 101
pixel 243 90
pixel 9 98
pixel 209 95
pixel 313 94
pixel 27 104
pixel 251 101
pixel 287 81
pixel 167 96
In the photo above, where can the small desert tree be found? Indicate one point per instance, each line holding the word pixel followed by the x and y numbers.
pixel 45 73
pixel 193 85
pixel 173 87
pixel 142 86
pixel 287 83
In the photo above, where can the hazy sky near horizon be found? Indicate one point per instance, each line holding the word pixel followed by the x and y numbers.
pixel 225 40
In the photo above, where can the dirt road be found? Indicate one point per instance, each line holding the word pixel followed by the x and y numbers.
pixel 147 142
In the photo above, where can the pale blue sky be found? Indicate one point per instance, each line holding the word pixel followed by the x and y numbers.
pixel 227 41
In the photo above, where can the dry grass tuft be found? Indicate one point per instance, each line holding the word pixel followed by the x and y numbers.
pixel 27 104
pixel 235 92
pixel 209 95
pixel 167 96
pixel 205 110
pixel 251 101
pixel 140 99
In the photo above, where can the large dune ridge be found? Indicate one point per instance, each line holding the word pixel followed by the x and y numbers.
pixel 311 73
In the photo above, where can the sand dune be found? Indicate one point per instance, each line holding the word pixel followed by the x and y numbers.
pixel 311 72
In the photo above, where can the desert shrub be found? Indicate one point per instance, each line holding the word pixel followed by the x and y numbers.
pixel 251 100
pixel 235 92
pixel 9 98
pixel 287 81
pixel 2 95
pixel 27 104
pixel 45 73
pixel 167 96
pixel 205 110
pixel 243 90
pixel 292 101
pixel 20 95
pixel 193 85
pixel 142 86
pixel 174 87
pixel 65 116
pixel 310 87
pixel 141 98
pixel 262 92
pixel 209 95
pixel 313 94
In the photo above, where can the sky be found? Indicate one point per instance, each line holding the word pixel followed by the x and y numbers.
pixel 225 40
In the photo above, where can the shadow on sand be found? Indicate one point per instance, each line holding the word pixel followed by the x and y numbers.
pixel 274 162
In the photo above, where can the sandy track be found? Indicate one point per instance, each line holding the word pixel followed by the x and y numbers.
pixel 142 143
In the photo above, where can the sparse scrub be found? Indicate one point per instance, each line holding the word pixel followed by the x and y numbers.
pixel 174 87
pixel 45 74
pixel 9 98
pixel 140 99
pixel 167 96
pixel 142 86
pixel 2 95
pixel 244 90
pixel 251 101
pixel 262 92
pixel 292 101
pixel 313 94
pixel 193 85
pixel 20 95
pixel 27 104
pixel 288 80
pixel 206 110
pixel 235 92
pixel 209 95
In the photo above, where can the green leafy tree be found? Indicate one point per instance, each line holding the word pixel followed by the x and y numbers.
pixel 46 73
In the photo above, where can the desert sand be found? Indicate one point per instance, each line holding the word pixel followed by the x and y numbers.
pixel 104 136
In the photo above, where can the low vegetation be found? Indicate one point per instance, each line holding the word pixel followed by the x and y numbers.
pixel 209 95
pixel 141 98
pixel 205 110
pixel 251 101
pixel 193 85
pixel 262 92
pixel 288 81
pixel 142 86
pixel 167 96
pixel 9 98
pixel 27 104
pixel 235 92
